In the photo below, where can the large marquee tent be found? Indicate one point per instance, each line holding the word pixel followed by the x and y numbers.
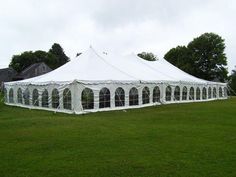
pixel 99 81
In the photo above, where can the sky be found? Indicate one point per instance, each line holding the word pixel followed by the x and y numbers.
pixel 119 26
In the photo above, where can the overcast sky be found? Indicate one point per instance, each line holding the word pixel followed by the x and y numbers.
pixel 120 26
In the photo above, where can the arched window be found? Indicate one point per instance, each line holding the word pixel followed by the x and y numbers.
pixel 67 99
pixel 204 93
pixel 191 94
pixel 225 92
pixel 119 97
pixel 19 96
pixel 87 98
pixel 168 93
pixel 177 93
pixel 55 99
pixel 209 93
pixel 5 95
pixel 35 97
pixel 184 93
pixel 146 95
pixel 26 97
pixel 45 99
pixel 11 96
pixel 220 92
pixel 214 92
pixel 104 98
pixel 133 96
pixel 156 94
pixel 198 92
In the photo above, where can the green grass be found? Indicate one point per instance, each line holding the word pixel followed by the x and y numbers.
pixel 185 140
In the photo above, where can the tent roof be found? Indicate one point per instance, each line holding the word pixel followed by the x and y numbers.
pixel 95 67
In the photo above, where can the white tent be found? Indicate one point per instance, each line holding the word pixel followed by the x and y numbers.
pixel 97 81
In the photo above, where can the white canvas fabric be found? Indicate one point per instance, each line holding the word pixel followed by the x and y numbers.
pixel 104 72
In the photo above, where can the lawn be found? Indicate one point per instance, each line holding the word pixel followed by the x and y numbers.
pixel 185 140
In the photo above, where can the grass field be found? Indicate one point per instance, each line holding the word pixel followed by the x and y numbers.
pixel 184 140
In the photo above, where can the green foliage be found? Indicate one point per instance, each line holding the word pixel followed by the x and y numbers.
pixel 147 56
pixel 204 57
pixel 20 62
pixel 180 57
pixel 194 139
pixel 54 58
pixel 207 52
pixel 58 51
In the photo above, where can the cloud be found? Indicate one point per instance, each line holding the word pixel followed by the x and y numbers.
pixel 118 26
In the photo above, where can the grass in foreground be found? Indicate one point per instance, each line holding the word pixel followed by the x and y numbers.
pixel 197 139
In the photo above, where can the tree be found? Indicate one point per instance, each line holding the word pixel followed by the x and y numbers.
pixel 204 57
pixel 22 61
pixel 207 52
pixel 180 57
pixel 147 56
pixel 59 53
pixel 54 58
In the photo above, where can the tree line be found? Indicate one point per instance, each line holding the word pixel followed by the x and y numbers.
pixel 203 57
pixel 54 58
